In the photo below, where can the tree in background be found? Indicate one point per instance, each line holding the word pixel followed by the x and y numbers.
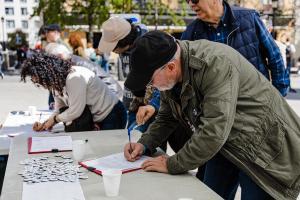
pixel 168 15
pixel 73 12
pixel 16 40
pixel 52 11
pixel 95 12
pixel 146 8
pixel 91 12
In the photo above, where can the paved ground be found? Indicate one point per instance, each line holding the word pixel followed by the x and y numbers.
pixel 18 96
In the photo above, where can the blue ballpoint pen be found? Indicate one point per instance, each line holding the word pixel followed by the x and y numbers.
pixel 129 137
pixel 128 131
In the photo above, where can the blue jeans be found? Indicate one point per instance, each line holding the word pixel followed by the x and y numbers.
pixel 3 162
pixel 116 119
pixel 132 122
pixel 223 177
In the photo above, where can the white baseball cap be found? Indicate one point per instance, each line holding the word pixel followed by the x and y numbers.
pixel 113 30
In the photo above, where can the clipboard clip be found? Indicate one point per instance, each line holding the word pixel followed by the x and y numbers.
pixel 54 150
pixel 90 168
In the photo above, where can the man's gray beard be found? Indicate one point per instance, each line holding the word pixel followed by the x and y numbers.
pixel 169 87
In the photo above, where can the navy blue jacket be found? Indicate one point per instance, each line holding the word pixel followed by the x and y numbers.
pixel 252 41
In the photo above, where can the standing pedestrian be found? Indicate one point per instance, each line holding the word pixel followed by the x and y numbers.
pixel 1 62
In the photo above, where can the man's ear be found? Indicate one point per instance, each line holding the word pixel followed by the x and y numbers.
pixel 171 66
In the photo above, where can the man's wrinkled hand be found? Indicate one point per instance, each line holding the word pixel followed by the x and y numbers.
pixel 158 164
pixel 133 151
pixel 144 114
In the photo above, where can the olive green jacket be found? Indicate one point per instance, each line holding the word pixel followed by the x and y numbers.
pixel 233 109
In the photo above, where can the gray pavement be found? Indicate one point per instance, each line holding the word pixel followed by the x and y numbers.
pixel 16 95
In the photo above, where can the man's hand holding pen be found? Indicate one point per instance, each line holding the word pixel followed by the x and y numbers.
pixel 133 151
pixel 144 114
pixel 157 164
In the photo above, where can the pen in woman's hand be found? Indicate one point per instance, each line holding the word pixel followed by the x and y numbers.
pixel 40 117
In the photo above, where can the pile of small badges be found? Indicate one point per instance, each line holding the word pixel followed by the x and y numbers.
pixel 43 169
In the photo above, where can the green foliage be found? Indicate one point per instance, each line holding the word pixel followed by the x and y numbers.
pixel 174 17
pixel 95 12
pixel 52 11
pixel 16 40
pixel 73 12
pixel 122 6
pixel 92 12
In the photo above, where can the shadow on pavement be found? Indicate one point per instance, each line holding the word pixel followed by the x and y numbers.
pixel 293 96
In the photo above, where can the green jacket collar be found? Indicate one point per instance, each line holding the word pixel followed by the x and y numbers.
pixel 187 92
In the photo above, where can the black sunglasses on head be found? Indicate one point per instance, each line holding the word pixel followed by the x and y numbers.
pixel 193 1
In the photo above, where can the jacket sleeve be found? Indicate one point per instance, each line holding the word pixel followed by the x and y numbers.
pixel 162 127
pixel 58 104
pixel 184 35
pixel 76 90
pixel 272 54
pixel 219 87
pixel 155 100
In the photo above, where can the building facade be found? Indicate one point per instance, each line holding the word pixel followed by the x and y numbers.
pixel 16 15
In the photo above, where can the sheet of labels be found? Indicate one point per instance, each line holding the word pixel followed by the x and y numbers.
pixel 44 178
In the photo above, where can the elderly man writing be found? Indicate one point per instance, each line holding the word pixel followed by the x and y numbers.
pixel 228 106
pixel 243 30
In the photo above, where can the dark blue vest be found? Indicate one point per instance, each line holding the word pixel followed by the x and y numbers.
pixel 243 36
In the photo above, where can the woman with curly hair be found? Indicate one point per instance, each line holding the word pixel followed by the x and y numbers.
pixel 83 102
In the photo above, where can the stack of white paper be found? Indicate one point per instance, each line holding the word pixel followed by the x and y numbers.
pixel 53 190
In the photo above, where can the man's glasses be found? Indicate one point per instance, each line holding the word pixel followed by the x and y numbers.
pixel 193 1
pixel 160 69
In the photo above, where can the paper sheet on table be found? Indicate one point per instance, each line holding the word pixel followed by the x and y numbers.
pixel 44 144
pixel 53 190
pixel 114 161
pixel 17 124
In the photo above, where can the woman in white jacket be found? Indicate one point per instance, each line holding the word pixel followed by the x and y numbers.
pixel 83 102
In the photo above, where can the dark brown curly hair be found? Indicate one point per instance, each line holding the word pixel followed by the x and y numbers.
pixel 46 70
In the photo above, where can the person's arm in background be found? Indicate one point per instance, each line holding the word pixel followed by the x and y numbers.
pixel 273 56
pixel 146 112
